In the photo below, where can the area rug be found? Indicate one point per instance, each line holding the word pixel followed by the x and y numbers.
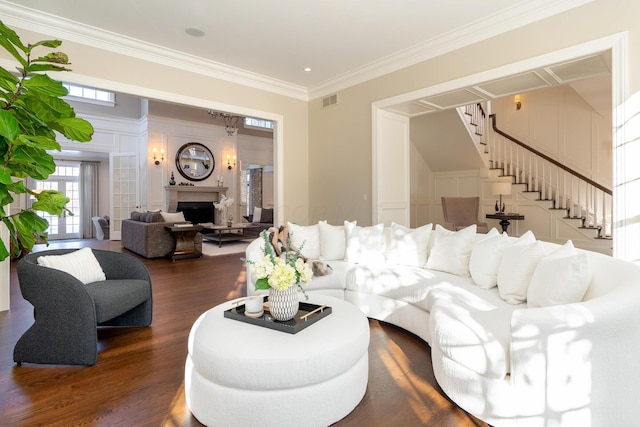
pixel 212 249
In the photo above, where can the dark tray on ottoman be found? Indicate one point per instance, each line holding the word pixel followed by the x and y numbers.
pixel 303 319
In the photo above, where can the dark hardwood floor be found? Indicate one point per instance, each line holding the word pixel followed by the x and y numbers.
pixel 138 380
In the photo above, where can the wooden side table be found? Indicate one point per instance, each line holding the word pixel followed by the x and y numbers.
pixel 505 218
pixel 185 242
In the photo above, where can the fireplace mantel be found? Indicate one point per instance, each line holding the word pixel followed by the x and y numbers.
pixel 187 193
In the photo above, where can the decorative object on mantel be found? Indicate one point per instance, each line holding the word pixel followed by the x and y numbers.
pixel 186 184
pixel 220 180
pixel 172 180
pixel 222 206
pixel 282 276
pixel 500 188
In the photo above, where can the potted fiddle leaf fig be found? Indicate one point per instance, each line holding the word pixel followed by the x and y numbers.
pixel 31 112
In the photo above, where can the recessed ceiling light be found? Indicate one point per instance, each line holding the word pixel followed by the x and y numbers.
pixel 307 69
pixel 194 32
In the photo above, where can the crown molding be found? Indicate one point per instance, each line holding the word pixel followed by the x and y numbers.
pixel 507 20
pixel 54 26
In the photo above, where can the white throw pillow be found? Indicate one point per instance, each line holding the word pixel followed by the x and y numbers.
pixel 408 246
pixel 562 277
pixel 81 264
pixel 485 260
pixel 332 241
pixel 364 244
pixel 309 235
pixel 516 268
pixel 452 249
pixel 173 216
pixel 257 214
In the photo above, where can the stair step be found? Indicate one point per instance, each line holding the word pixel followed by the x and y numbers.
pixel 588 227
pixel 604 238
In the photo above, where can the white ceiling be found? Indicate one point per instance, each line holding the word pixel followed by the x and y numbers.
pixel 271 42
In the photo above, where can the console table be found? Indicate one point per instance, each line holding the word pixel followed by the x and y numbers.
pixel 505 218
pixel 185 244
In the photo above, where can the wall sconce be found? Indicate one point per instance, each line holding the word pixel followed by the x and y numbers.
pixel 229 164
pixel 516 99
pixel 155 156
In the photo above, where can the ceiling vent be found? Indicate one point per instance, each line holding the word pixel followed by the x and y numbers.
pixel 329 101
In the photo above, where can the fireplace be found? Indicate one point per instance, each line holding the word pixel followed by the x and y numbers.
pixel 197 212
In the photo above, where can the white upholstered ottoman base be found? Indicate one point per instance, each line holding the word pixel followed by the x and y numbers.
pixel 245 375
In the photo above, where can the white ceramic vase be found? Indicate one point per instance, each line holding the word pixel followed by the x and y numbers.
pixel 283 305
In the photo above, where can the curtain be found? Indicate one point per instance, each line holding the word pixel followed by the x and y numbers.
pixel 88 198
pixel 255 186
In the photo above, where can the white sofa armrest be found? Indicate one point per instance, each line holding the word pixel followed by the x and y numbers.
pixel 577 361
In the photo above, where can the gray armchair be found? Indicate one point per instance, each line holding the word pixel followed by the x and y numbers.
pixel 68 312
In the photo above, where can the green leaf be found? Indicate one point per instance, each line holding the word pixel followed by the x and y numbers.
pixel 41 67
pixel 52 202
pixel 8 81
pixel 9 127
pixel 5 175
pixel 47 43
pixel 10 40
pixel 40 142
pixel 33 162
pixel 45 85
pixel 262 284
pixel 75 128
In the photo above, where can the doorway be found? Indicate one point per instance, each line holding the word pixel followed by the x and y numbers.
pixel 65 179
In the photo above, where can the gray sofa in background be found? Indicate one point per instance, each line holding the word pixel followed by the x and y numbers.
pixel 266 222
pixel 146 235
pixel 68 312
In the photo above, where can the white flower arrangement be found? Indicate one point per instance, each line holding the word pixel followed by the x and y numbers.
pixel 281 272
pixel 224 203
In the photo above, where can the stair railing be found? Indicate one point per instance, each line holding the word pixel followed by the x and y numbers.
pixel 567 189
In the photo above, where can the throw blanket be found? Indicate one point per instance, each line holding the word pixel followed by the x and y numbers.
pixel 278 238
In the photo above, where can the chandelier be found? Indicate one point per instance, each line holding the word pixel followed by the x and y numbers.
pixel 230 121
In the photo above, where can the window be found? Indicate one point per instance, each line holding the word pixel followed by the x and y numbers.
pixel 252 122
pixel 90 95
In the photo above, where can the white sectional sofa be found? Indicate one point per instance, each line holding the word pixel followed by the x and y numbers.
pixel 522 332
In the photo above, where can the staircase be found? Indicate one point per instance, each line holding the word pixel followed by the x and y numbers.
pixel 579 199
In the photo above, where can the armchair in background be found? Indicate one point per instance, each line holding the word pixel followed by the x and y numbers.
pixel 460 212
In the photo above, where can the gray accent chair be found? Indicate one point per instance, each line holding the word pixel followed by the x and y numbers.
pixel 68 312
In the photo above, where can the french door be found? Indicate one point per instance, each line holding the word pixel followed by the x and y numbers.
pixel 65 179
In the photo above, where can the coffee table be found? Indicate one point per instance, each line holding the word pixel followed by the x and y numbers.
pixel 241 374
pixel 224 233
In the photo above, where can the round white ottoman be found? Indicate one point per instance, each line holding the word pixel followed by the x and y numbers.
pixel 246 375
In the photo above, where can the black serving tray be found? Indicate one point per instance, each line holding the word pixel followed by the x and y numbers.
pixel 292 326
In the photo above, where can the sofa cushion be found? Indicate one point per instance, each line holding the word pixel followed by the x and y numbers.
pixel 266 216
pixel 306 237
pixel 173 216
pixel 451 250
pixel 472 332
pixel 332 241
pixel 81 264
pixel 562 277
pixel 485 259
pixel 114 297
pixel 364 244
pixel 408 246
pixel 516 268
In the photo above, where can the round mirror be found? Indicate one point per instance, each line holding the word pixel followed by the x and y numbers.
pixel 195 161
